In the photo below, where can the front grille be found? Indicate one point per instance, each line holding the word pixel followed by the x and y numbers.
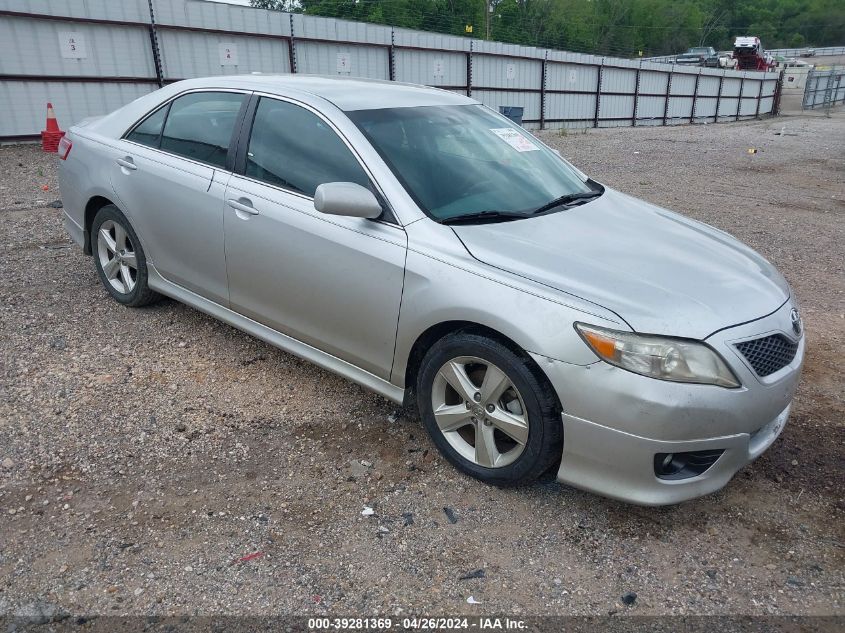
pixel 768 354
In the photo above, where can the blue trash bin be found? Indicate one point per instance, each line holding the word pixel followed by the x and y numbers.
pixel 514 113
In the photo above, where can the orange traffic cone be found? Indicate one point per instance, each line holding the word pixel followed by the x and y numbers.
pixel 52 135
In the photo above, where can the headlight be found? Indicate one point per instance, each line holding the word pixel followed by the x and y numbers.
pixel 658 357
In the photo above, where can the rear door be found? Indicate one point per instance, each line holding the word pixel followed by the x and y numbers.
pixel 170 176
pixel 332 282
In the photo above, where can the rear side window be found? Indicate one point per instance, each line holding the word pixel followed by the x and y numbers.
pixel 293 148
pixel 148 132
pixel 199 126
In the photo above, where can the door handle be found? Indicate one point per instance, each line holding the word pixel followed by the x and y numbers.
pixel 127 163
pixel 243 205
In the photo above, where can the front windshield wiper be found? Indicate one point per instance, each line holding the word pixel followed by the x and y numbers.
pixel 568 199
pixel 483 216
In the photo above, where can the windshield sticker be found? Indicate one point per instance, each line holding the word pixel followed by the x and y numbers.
pixel 514 139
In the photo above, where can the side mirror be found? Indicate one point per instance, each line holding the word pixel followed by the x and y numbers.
pixel 346 198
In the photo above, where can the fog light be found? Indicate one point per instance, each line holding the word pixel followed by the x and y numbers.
pixel 675 466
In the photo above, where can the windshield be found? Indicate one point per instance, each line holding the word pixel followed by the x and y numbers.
pixel 699 50
pixel 467 160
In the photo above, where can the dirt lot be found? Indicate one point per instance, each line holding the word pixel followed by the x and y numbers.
pixel 144 453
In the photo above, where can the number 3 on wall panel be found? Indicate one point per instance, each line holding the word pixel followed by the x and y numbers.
pixel 72 45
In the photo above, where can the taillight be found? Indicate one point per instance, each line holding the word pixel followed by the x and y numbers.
pixel 65 146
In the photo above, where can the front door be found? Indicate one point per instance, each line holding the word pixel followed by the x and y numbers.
pixel 332 282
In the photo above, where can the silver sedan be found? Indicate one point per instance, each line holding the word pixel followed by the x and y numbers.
pixel 422 245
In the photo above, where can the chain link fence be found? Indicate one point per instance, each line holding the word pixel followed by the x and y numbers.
pixel 824 88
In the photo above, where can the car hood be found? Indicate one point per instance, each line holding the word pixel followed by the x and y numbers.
pixel 660 272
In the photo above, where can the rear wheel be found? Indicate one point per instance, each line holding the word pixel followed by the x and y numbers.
pixel 119 258
pixel 488 411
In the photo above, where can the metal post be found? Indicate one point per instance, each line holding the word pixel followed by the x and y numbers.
pixel 694 97
pixel 759 99
pixel 469 70
pixel 719 97
pixel 828 95
pixel 636 97
pixel 598 95
pixel 739 100
pixel 154 46
pixel 543 92
pixel 776 98
pixel 291 47
pixel 668 96
pixel 391 59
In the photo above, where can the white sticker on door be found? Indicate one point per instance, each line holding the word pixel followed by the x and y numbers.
pixel 514 139
pixel 510 71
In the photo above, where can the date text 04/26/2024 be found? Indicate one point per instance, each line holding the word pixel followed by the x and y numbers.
pixel 414 623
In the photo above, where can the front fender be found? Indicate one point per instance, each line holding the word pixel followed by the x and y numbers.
pixel 445 283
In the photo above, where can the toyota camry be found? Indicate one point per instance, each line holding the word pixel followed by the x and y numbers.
pixel 422 245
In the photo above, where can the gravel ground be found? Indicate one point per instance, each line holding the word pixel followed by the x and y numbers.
pixel 146 454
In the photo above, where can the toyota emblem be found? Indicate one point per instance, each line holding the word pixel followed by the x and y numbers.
pixel 795 317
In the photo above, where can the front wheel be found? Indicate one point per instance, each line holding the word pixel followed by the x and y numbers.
pixel 488 410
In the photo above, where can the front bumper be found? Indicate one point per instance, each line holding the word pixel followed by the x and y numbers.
pixel 624 467
pixel 616 422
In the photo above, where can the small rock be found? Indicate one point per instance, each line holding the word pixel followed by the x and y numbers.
pixel 711 573
pixel 478 573
pixel 794 462
pixel 450 514
pixel 794 581
pixel 56 204
pixel 557 581
pixel 7 463
pixel 407 518
pixel 181 427
pixel 629 598
pixel 139 591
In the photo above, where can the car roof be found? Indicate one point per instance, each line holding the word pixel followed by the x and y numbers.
pixel 346 93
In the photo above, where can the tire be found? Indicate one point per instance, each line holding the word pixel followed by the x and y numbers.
pixel 116 248
pixel 526 409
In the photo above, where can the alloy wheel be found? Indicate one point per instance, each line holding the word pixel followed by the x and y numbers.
pixel 480 412
pixel 117 256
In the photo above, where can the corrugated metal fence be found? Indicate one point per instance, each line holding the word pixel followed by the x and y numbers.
pixel 91 56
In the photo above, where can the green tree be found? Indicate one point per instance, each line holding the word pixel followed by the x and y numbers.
pixel 604 27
